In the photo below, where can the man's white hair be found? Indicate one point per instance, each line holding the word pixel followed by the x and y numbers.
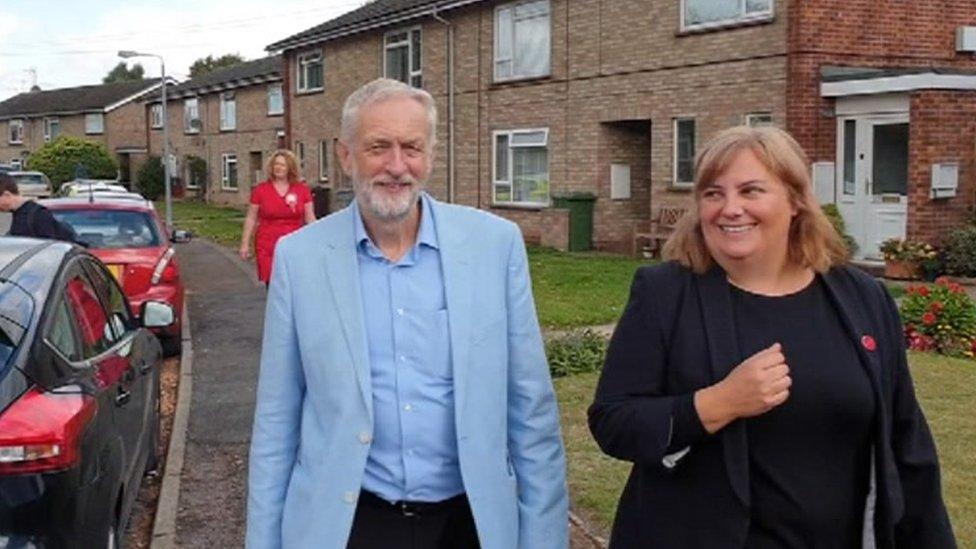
pixel 384 89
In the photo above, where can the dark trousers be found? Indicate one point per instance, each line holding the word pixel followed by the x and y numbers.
pixel 379 524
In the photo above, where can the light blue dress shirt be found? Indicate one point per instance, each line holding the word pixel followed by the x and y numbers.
pixel 414 453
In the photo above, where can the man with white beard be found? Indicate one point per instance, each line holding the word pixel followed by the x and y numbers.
pixel 404 400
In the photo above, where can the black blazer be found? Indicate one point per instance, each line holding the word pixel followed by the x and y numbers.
pixel 676 336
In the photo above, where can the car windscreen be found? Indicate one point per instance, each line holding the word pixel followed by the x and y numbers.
pixel 111 228
pixel 29 179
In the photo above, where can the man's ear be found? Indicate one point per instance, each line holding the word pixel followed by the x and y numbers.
pixel 345 157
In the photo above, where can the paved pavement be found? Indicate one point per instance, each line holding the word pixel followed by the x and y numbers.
pixel 227 311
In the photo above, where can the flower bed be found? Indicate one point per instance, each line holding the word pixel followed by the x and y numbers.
pixel 940 318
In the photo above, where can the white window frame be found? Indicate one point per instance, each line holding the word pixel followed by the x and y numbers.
pixel 759 119
pixel 281 99
pixel 16 164
pixel 674 156
pixel 156 116
pixel 188 126
pixel 226 160
pixel 19 124
pixel 414 74
pixel 323 160
pixel 50 122
pixel 94 116
pixel 302 64
pixel 497 56
pixel 228 112
pixel 510 168
pixel 743 17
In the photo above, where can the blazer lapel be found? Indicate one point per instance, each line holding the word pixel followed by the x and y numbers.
pixel 716 309
pixel 342 270
pixel 457 268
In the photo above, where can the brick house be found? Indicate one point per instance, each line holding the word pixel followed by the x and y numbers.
pixel 544 97
pixel 222 127
pixel 110 114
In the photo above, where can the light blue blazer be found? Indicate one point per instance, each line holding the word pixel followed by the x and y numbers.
pixel 314 418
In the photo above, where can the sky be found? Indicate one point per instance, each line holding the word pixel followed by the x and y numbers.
pixel 69 43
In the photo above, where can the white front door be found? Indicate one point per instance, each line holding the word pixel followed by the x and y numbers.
pixel 872 179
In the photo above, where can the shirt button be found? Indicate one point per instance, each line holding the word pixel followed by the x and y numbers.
pixel 400 312
pixel 364 437
pixel 407 407
pixel 349 497
pixel 403 358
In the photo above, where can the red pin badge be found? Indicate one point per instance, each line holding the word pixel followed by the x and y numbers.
pixel 868 343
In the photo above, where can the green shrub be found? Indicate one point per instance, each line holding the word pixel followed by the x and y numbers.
pixel 149 179
pixel 833 214
pixel 575 352
pixel 959 252
pixel 939 318
pixel 67 158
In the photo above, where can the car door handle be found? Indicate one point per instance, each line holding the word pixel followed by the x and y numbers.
pixel 145 367
pixel 123 397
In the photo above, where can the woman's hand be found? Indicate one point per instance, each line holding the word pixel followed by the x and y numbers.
pixel 757 385
pixel 245 252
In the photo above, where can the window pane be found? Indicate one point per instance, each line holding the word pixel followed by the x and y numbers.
pixel 530 175
pixel 531 9
pixel 60 334
pixel 501 158
pixel 503 192
pixel 275 103
pixel 415 51
pixel 758 6
pixel 109 229
pixel 890 159
pixel 396 64
pixel 396 37
pixel 849 141
pixel 529 138
pixel 503 34
pixel 686 151
pixel 90 316
pixel 315 75
pixel 417 81
pixel 532 46
pixel 710 11
pixel 232 174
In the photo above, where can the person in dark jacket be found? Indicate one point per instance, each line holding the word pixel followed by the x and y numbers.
pixel 29 218
pixel 759 385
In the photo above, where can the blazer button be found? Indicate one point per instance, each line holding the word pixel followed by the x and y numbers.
pixel 349 497
pixel 364 437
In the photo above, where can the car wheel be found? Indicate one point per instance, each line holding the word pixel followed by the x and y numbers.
pixel 172 345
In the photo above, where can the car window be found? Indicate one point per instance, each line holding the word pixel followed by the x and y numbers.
pixel 29 179
pixel 60 334
pixel 120 319
pixel 111 229
pixel 92 320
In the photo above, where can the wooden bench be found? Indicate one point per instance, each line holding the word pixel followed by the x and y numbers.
pixel 649 236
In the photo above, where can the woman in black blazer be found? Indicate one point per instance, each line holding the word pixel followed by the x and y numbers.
pixel 758 384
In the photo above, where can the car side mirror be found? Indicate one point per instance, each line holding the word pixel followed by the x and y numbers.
pixel 156 314
pixel 180 236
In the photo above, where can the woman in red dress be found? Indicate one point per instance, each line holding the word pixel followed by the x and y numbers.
pixel 279 205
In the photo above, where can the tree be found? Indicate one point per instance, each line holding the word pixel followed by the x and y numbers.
pixel 121 73
pixel 150 178
pixel 67 158
pixel 209 63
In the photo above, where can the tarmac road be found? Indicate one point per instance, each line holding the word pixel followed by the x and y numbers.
pixel 227 311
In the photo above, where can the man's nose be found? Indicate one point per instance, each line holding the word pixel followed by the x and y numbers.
pixel 395 164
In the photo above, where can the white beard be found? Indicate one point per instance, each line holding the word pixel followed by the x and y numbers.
pixel 382 207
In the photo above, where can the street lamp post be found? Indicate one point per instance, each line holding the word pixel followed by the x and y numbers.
pixel 126 54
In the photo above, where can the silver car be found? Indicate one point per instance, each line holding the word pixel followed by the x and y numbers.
pixel 32 184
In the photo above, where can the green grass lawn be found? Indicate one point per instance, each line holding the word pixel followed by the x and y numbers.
pixel 946 388
pixel 580 288
pixel 220 224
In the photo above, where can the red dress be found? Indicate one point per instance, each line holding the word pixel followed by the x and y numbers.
pixel 277 216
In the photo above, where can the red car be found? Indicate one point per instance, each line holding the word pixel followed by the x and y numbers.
pixel 131 239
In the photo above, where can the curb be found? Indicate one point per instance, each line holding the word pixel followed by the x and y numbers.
pixel 164 523
pixel 596 541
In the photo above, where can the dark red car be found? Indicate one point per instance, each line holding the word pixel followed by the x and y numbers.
pixel 131 239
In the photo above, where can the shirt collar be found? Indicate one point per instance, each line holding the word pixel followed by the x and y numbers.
pixel 426 235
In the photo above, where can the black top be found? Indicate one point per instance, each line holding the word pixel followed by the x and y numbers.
pixel 809 458
pixel 32 219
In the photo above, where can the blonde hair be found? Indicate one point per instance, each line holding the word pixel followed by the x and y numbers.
pixel 294 175
pixel 813 241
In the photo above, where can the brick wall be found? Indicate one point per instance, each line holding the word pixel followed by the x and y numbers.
pixel 620 72
pixel 943 129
